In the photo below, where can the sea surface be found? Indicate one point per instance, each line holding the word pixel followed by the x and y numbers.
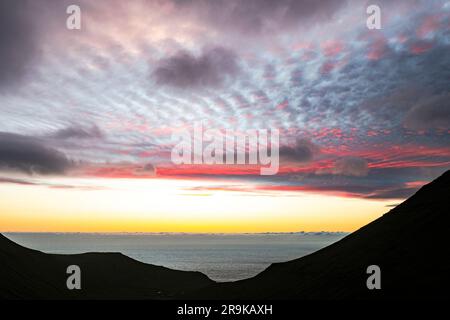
pixel 223 257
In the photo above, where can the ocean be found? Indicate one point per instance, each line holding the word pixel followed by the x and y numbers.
pixel 222 257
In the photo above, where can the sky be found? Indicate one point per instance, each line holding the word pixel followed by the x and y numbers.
pixel 87 116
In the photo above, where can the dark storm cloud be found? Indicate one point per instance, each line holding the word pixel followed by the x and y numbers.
pixel 29 155
pixel 185 70
pixel 17 41
pixel 351 166
pixel 78 132
pixel 303 151
pixel 432 113
pixel 258 16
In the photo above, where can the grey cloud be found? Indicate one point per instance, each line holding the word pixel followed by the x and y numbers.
pixel 392 205
pixel 16 181
pixel 262 16
pixel 351 166
pixel 149 168
pixel 29 155
pixel 303 151
pixel 393 183
pixel 78 132
pixel 185 70
pixel 17 41
pixel 393 193
pixel 25 182
pixel 145 170
pixel 432 113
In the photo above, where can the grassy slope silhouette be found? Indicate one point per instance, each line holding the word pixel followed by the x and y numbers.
pixel 409 243
pixel 30 274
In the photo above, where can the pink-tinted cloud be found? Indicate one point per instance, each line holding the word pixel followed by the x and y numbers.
pixel 429 25
pixel 377 49
pixel 420 47
pixel 332 48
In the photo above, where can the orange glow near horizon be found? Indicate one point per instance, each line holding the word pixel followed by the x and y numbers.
pixel 164 205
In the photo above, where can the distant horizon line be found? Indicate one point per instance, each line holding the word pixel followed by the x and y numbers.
pixel 174 233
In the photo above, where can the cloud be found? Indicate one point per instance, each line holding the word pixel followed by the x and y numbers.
pixel 120 170
pixel 261 16
pixel 351 166
pixel 352 190
pixel 145 170
pixel 26 182
pixel 359 109
pixel 78 132
pixel 149 168
pixel 377 184
pixel 303 151
pixel 29 155
pixel 16 181
pixel 17 41
pixel 185 70
pixel 432 113
pixel 393 193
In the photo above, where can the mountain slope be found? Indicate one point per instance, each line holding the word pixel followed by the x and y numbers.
pixel 410 244
pixel 30 274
